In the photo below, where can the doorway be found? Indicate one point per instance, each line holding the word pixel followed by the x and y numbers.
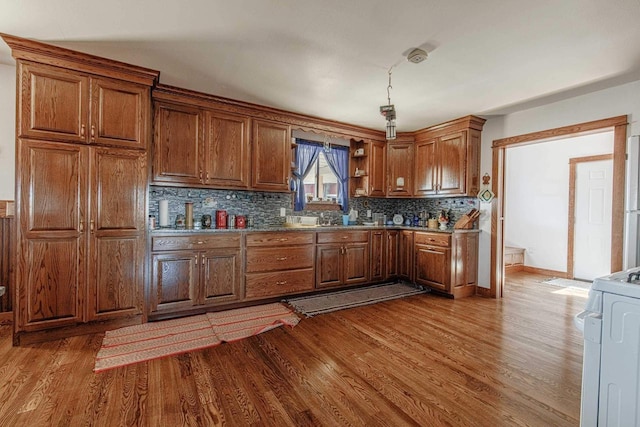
pixel 590 199
pixel 619 127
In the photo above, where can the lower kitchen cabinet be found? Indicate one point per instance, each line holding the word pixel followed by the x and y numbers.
pixel 405 255
pixel 447 262
pixel 378 255
pixel 279 263
pixel 195 270
pixel 391 253
pixel 342 258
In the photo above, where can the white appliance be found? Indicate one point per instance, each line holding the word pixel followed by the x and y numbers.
pixel 611 363
pixel 632 205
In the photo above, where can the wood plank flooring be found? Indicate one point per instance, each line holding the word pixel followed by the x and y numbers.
pixel 422 360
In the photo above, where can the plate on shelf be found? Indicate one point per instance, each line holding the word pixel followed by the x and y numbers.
pixel 398 219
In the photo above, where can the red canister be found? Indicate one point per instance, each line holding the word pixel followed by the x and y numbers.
pixel 241 221
pixel 221 219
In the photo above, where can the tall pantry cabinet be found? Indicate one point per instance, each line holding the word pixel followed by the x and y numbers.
pixel 83 129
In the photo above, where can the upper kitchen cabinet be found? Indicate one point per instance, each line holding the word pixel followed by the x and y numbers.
pixel 177 144
pixel 271 156
pixel 447 159
pixel 227 150
pixel 399 168
pixel 58 104
pixel 367 168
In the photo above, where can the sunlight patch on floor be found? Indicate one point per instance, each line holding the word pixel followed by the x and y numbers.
pixel 570 290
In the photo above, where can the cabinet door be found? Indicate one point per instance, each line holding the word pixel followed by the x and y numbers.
pixel 174 281
pixel 391 253
pixel 378 256
pixel 329 265
pixel 433 267
pixel 405 255
pixel 452 153
pixel 51 245
pixel 356 263
pixel 119 113
pixel 220 276
pixel 228 158
pixel 116 245
pixel 177 144
pixel 53 104
pixel 377 169
pixel 271 156
pixel 425 168
pixel 399 167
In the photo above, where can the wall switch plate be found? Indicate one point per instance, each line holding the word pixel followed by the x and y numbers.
pixel 283 211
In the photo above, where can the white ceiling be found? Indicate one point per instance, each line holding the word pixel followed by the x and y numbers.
pixel 330 58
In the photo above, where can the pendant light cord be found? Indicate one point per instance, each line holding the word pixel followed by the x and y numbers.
pixel 389 88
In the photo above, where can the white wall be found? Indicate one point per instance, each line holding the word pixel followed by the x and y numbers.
pixel 537 196
pixel 7 131
pixel 616 101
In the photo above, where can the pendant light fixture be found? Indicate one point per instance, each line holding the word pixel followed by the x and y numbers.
pixel 389 112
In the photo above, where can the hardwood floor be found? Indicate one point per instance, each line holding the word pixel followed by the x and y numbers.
pixel 422 360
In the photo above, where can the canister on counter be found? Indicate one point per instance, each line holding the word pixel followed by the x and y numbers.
pixel 221 219
pixel 206 221
pixel 231 221
pixel 241 221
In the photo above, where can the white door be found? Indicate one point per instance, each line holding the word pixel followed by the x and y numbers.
pixel 592 238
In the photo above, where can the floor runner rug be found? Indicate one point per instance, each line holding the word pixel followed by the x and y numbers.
pixel 340 300
pixel 233 325
pixel 134 344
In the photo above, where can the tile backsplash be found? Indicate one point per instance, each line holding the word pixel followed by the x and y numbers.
pixel 263 208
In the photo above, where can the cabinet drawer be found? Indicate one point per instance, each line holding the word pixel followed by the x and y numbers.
pixel 261 285
pixel 196 241
pixel 343 237
pixel 272 259
pixel 280 239
pixel 436 239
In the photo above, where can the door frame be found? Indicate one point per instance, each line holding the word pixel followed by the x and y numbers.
pixel 573 164
pixel 619 126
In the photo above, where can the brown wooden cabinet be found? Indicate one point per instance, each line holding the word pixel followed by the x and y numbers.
pixel 81 235
pixel 447 159
pixel 405 255
pixel 191 271
pixel 58 104
pixel 279 263
pixel 367 168
pixel 177 144
pixel 399 170
pixel 227 163
pixel 392 254
pixel 378 255
pixel 447 262
pixel 271 156
pixel 342 258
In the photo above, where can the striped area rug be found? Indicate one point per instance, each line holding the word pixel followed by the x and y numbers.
pixel 139 343
pixel 334 301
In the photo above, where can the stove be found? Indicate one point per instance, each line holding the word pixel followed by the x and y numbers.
pixel 626 283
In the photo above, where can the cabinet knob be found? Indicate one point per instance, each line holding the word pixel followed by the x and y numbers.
pixel 199 242
pixel 284 258
pixel 283 282
pixel 93 132
pixel 82 130
pixel 284 239
pixel 81 226
pixel 91 225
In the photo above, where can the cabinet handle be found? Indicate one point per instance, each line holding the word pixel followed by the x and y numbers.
pixel 284 258
pixel 199 242
pixel 200 175
pixel 345 237
pixel 284 239
pixel 284 282
pixel 91 225
pixel 82 130
pixel 81 226
pixel 93 132
pixel 207 176
pixel 196 257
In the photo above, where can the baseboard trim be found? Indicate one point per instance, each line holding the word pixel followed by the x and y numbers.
pixel 535 270
pixel 513 268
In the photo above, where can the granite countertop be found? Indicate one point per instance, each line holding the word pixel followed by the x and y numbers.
pixel 318 228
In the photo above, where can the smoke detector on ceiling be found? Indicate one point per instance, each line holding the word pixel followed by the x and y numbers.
pixel 417 56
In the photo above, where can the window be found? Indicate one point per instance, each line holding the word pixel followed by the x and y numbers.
pixel 321 184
